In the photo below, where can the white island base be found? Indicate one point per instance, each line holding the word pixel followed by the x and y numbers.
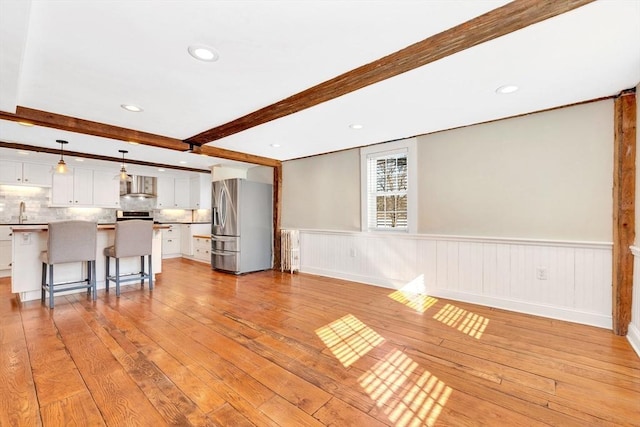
pixel 26 268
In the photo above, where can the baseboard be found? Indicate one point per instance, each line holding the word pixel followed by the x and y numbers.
pixel 560 313
pixel 368 280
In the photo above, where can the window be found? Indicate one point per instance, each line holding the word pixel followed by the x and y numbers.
pixel 387 199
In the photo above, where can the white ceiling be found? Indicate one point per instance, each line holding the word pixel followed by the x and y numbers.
pixel 84 58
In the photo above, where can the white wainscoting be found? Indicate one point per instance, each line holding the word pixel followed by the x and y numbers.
pixel 633 335
pixel 494 272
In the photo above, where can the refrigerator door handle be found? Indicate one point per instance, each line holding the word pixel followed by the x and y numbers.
pixel 223 239
pixel 216 217
pixel 223 206
pixel 224 253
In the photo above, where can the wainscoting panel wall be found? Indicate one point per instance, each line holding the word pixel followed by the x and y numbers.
pixel 562 280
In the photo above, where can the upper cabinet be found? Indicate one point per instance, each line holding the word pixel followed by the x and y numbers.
pixel 18 173
pixel 182 193
pixel 74 188
pixel 166 193
pixel 106 189
pixel 201 191
pixel 173 193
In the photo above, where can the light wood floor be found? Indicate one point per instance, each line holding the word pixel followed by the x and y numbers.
pixel 267 349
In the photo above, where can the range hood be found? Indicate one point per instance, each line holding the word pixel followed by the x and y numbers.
pixel 139 186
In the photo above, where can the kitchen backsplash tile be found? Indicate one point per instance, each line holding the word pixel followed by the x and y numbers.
pixel 182 215
pixel 37 210
pixel 202 215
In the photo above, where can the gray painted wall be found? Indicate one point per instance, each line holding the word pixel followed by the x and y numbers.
pixel 543 176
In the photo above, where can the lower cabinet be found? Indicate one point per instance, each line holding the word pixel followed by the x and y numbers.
pixel 190 241
pixel 5 251
pixel 202 249
pixel 171 241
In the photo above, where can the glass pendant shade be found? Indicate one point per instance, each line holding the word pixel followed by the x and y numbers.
pixel 123 176
pixel 61 167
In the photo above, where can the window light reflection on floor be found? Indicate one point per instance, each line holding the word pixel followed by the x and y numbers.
pixel 465 321
pixel 418 302
pixel 408 399
pixel 349 339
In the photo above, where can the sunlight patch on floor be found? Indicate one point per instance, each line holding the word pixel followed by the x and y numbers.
pixel 410 395
pixel 349 339
pixel 465 321
pixel 418 302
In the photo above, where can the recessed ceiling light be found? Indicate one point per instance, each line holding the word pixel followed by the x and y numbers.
pixel 160 170
pixel 356 126
pixel 23 153
pixel 78 159
pixel 132 143
pixel 182 162
pixel 203 53
pixel 275 145
pixel 27 124
pixel 503 90
pixel 132 108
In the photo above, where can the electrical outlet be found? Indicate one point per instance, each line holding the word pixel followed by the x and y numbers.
pixel 542 273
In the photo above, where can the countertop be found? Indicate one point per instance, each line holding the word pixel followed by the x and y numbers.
pixel 33 228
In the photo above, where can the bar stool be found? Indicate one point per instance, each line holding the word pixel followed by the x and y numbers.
pixel 133 238
pixel 69 241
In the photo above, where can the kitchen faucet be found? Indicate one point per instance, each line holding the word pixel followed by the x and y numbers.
pixel 22 216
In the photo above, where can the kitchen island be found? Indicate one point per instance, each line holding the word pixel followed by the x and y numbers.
pixel 30 240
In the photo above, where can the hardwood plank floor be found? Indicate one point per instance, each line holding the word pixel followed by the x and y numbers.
pixel 274 349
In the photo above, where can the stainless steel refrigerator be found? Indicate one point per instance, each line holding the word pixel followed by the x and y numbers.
pixel 242 226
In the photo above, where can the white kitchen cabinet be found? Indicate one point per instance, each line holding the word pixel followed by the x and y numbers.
pixel 74 188
pixel 186 243
pixel 83 187
pixel 201 191
pixel 166 193
pixel 25 173
pixel 187 233
pixel 62 189
pixel 173 193
pixel 106 189
pixel 5 250
pixel 182 192
pixel 171 241
pixel 202 248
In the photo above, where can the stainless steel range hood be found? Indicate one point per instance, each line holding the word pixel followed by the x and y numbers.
pixel 140 186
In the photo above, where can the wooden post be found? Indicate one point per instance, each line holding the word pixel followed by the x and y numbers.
pixel 277 208
pixel 624 180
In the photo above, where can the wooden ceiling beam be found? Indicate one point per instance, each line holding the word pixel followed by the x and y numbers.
pixel 496 23
pixel 118 160
pixel 87 127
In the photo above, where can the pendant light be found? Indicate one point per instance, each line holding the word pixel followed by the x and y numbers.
pixel 61 167
pixel 122 176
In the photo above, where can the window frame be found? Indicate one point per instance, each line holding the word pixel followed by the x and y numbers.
pixel 380 150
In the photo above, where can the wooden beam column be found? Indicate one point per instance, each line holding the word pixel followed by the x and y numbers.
pixel 624 184
pixel 277 209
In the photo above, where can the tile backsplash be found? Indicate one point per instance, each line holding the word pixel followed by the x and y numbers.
pixel 37 210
